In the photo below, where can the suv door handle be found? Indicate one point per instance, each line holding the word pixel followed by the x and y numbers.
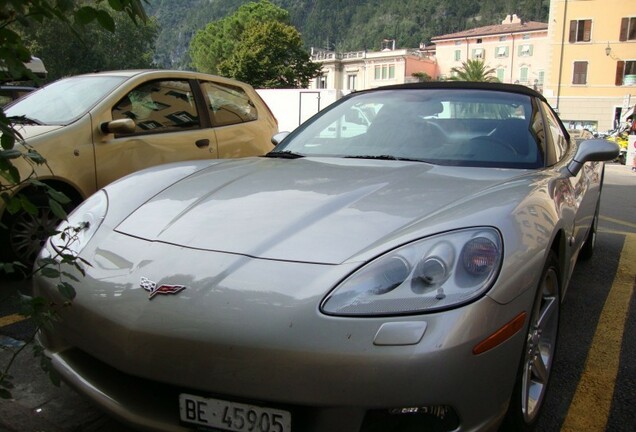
pixel 202 143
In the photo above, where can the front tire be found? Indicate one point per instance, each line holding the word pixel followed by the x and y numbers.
pixel 538 353
pixel 25 233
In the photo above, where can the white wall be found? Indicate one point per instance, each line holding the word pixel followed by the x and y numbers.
pixel 293 106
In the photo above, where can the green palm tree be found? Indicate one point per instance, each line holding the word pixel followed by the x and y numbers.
pixel 474 70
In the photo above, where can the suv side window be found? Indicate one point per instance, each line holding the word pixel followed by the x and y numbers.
pixel 228 104
pixel 159 106
pixel 558 144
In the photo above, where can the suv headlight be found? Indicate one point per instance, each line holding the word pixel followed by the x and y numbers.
pixel 81 225
pixel 438 272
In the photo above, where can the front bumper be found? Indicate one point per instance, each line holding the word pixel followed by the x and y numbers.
pixel 254 334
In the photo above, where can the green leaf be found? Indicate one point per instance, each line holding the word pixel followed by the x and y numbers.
pixel 10 154
pixel 70 276
pixel 85 15
pixel 57 209
pixel 14 205
pixel 7 141
pixel 58 196
pixel 47 261
pixel 11 174
pixel 49 272
pixel 106 21
pixel 27 205
pixel 116 5
pixel 7 384
pixel 67 290
pixel 35 157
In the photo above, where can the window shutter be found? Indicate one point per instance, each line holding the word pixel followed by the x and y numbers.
pixel 624 26
pixel 580 73
pixel 620 68
pixel 572 31
pixel 587 32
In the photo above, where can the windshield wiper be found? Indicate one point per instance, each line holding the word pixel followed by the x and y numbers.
pixel 385 157
pixel 286 154
pixel 25 120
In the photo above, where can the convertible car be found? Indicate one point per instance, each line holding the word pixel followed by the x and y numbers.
pixel 401 274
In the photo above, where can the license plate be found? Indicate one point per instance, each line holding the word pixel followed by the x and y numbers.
pixel 232 416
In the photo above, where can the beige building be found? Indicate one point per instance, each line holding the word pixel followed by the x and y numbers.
pixel 360 70
pixel 591 79
pixel 516 50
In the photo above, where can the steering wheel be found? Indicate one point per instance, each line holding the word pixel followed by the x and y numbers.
pixel 489 140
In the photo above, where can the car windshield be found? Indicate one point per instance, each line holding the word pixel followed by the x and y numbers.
pixel 63 101
pixel 465 127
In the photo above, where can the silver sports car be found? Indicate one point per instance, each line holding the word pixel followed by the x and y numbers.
pixel 397 263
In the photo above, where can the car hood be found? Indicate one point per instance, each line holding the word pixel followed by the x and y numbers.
pixel 31 131
pixel 310 210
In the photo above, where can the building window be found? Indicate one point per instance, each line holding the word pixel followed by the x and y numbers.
pixel 458 55
pixel 500 74
pixel 502 38
pixel 626 73
pixel 580 73
pixel 502 52
pixel 383 72
pixel 523 74
pixel 580 31
pixel 478 53
pixel 525 50
pixel 321 82
pixel 628 29
pixel 541 77
pixel 479 40
pixel 351 82
pixel 525 37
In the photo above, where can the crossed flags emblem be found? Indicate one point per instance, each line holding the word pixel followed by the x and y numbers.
pixel 153 289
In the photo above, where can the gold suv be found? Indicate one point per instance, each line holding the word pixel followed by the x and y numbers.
pixel 93 129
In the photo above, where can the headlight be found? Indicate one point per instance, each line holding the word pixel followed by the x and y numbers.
pixel 81 225
pixel 435 273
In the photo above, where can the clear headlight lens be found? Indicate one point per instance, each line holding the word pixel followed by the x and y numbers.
pixel 81 225
pixel 435 273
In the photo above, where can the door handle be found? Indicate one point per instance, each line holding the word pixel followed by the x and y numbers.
pixel 202 143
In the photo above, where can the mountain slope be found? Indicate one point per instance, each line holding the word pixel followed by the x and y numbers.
pixel 344 25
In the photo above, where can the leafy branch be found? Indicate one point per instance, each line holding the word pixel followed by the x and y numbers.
pixel 44 313
pixel 17 16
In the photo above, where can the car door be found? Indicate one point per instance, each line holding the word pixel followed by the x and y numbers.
pixel 239 127
pixel 583 189
pixel 169 127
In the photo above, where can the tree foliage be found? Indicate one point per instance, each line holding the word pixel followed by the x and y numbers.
pixel 345 25
pixel 474 70
pixel 270 55
pixel 255 44
pixel 127 46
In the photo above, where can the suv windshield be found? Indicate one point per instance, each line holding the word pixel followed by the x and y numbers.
pixel 465 127
pixel 63 101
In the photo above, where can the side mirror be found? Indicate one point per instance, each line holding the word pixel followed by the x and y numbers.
pixel 276 139
pixel 592 150
pixel 120 126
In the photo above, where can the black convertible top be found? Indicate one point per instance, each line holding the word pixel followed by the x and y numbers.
pixel 469 85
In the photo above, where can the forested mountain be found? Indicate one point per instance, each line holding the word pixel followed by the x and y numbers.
pixel 344 25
